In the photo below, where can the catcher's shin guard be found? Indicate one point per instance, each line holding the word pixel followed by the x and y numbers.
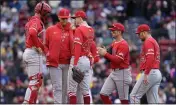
pixel 32 90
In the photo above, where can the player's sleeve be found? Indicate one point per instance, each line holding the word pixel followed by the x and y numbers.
pixel 46 41
pixel 120 54
pixel 149 53
pixel 78 40
pixel 94 52
pixel 33 32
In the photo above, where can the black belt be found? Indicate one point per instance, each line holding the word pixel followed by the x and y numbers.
pixel 119 69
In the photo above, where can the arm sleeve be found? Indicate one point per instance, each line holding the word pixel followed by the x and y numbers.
pixel 78 39
pixel 33 34
pixel 120 54
pixel 149 53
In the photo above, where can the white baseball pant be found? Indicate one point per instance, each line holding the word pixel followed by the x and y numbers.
pixel 120 80
pixel 84 66
pixel 151 89
pixel 34 62
pixel 59 80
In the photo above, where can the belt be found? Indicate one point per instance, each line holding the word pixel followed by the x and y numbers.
pixel 119 69
pixel 151 69
pixel 34 48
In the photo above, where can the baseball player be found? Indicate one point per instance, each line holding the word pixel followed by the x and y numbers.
pixel 149 66
pixel 59 41
pixel 94 59
pixel 32 55
pixel 120 77
pixel 82 59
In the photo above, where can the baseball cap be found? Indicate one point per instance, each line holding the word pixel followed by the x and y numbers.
pixel 64 13
pixel 142 28
pixel 80 13
pixel 117 26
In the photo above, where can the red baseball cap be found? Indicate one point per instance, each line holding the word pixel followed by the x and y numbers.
pixel 117 26
pixel 142 28
pixel 64 13
pixel 80 13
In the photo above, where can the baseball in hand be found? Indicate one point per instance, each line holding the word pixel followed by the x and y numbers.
pixel 101 51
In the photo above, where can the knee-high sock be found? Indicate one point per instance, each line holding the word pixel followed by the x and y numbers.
pixel 124 102
pixel 72 98
pixel 105 99
pixel 86 99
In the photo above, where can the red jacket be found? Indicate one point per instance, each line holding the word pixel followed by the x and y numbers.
pixel 120 55
pixel 34 32
pixel 150 55
pixel 59 42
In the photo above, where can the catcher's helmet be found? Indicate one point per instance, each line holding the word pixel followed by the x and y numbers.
pixel 42 8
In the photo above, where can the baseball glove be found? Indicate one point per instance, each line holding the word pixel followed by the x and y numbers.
pixel 109 50
pixel 77 75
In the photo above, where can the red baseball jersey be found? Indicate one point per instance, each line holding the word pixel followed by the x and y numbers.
pixel 150 55
pixel 120 55
pixel 94 52
pixel 93 55
pixel 34 33
pixel 83 40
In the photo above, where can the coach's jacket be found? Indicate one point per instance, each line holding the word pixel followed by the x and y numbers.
pixel 59 42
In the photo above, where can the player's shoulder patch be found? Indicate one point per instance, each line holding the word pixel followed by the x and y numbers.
pixel 34 25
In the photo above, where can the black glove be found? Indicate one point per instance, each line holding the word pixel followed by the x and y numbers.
pixel 109 50
pixel 78 76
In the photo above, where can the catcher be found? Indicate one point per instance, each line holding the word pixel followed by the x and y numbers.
pixel 32 55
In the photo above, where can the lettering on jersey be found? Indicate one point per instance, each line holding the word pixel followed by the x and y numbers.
pixel 55 32
pixel 77 38
pixel 121 54
pixel 64 36
pixel 150 50
pixel 34 25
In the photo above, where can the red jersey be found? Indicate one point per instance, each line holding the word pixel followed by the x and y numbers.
pixel 94 52
pixel 59 43
pixel 150 55
pixel 120 55
pixel 34 33
pixel 83 40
